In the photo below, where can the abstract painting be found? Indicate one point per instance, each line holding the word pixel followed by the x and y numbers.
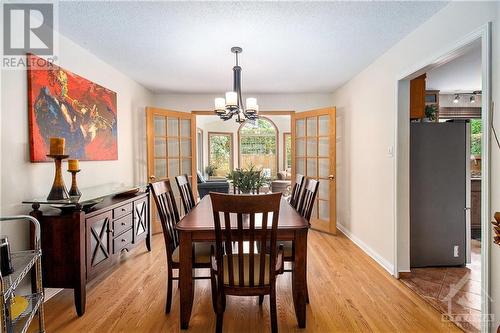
pixel 63 104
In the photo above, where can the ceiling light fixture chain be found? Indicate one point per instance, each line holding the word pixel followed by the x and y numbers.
pixel 233 105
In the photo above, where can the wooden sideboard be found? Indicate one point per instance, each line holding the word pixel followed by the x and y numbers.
pixel 78 246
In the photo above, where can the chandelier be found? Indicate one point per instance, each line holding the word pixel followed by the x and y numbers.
pixel 232 105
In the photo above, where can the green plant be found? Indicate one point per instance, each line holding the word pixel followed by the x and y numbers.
pixel 247 180
pixel 476 136
pixel 431 112
pixel 210 169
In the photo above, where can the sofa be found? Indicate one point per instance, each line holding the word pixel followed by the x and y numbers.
pixel 282 183
pixel 207 186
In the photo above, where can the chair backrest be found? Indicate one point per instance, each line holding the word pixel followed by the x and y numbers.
pixel 187 197
pixel 169 215
pixel 296 191
pixel 240 218
pixel 308 197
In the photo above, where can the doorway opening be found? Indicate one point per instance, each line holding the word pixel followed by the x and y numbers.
pixel 442 191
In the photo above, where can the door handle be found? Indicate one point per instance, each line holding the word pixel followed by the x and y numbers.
pixel 331 177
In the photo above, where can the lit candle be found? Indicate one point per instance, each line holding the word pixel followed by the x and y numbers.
pixel 220 103
pixel 251 104
pixel 231 98
pixel 56 146
pixel 73 165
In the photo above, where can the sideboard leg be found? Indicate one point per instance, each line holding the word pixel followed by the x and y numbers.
pixel 80 299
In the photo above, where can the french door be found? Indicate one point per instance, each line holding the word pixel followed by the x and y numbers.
pixel 171 144
pixel 313 155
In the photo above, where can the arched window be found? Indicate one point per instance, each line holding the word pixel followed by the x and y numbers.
pixel 258 145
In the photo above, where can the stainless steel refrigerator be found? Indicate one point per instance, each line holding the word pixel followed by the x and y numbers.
pixel 439 194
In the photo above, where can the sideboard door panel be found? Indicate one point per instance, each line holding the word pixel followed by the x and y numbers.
pixel 99 249
pixel 141 216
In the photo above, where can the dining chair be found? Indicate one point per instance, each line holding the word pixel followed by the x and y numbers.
pixel 169 217
pixel 296 191
pixel 245 273
pixel 186 191
pixel 306 204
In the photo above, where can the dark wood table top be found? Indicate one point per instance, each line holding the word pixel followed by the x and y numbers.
pixel 201 218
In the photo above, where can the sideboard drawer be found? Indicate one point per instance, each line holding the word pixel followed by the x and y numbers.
pixel 122 210
pixel 122 224
pixel 122 241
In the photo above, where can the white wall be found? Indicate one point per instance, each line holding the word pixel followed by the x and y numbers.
pixel 21 179
pixel 267 102
pixel 215 124
pixel 367 105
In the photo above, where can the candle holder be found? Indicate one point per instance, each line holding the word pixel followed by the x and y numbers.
pixel 74 191
pixel 58 191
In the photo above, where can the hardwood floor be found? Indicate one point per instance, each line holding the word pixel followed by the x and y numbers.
pixel 348 292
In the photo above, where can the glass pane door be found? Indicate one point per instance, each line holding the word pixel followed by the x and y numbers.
pixel 313 150
pixel 171 138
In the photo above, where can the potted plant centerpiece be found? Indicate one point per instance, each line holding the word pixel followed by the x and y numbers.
pixel 247 180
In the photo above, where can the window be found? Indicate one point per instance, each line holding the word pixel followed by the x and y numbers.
pixel 476 134
pixel 287 150
pixel 258 145
pixel 220 153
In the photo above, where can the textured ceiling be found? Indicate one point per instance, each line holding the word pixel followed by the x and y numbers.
pixel 287 46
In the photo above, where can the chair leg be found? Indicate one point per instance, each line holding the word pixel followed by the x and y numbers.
pixel 272 303
pixel 221 307
pixel 169 290
pixel 307 293
pixel 213 281
pixel 261 299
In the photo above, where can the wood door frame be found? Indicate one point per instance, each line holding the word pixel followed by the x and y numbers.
pixel 284 148
pixel 150 113
pixel 230 134
pixel 331 111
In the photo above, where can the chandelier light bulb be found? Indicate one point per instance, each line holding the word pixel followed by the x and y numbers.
pixel 473 99
pixel 220 104
pixel 251 104
pixel 231 98
pixel 455 100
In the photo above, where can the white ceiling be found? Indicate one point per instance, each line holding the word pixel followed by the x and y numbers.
pixel 462 74
pixel 288 47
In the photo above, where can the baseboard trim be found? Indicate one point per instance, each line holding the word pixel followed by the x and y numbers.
pixel 368 250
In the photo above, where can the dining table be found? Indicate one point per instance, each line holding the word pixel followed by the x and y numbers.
pixel 198 226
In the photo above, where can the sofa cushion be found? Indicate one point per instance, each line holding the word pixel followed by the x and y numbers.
pixel 281 175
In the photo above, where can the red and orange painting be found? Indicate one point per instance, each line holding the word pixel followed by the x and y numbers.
pixel 63 104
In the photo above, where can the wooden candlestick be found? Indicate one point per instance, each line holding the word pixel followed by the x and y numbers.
pixel 74 191
pixel 58 191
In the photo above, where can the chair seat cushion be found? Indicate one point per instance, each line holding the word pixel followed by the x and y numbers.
pixel 201 253
pixel 246 261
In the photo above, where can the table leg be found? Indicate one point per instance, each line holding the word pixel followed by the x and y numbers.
pixel 185 278
pixel 299 274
